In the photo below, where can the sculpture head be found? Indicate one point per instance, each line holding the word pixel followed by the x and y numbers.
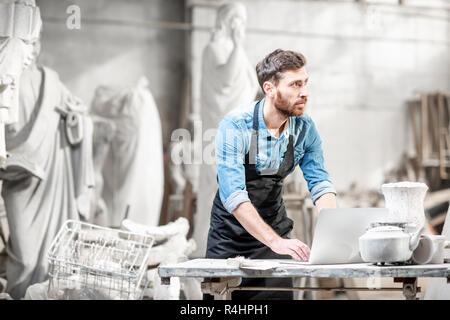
pixel 229 17
pixel 20 25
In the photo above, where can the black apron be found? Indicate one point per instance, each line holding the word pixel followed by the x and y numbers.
pixel 227 238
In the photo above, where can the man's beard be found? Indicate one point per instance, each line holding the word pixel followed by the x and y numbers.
pixel 287 108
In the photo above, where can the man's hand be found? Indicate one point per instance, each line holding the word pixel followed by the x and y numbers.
pixel 250 219
pixel 293 247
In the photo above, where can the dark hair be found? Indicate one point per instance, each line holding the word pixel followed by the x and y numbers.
pixel 277 62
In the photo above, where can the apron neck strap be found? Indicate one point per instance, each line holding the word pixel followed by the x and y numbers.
pixel 256 116
pixel 253 152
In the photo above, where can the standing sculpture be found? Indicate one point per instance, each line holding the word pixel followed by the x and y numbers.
pixel 20 23
pixel 228 80
pixel 48 174
pixel 133 171
pixel 104 131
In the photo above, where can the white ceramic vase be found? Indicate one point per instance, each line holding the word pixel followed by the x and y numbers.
pixel 405 202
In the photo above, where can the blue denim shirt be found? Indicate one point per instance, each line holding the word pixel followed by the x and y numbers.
pixel 233 143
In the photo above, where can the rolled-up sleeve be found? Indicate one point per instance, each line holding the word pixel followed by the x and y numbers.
pixel 313 167
pixel 230 153
pixel 320 189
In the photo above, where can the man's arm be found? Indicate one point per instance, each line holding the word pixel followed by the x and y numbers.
pixel 322 190
pixel 327 200
pixel 250 219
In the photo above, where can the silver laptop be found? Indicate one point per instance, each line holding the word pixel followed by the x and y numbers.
pixel 337 232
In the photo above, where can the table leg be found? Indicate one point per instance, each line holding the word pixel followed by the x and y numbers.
pixel 410 288
pixel 218 287
pixel 350 283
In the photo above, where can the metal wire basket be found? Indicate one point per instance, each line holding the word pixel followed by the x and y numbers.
pixel 92 262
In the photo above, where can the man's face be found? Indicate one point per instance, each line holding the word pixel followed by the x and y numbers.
pixel 291 94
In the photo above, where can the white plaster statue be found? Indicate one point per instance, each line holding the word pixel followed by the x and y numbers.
pixel 190 286
pixel 178 177
pixel 48 175
pixel 166 292
pixel 133 171
pixel 160 233
pixel 104 131
pixel 194 148
pixel 228 80
pixel 20 23
pixel 171 246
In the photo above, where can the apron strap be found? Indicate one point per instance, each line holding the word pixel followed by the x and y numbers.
pixel 253 150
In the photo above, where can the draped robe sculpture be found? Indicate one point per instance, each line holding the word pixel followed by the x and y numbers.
pixel 133 171
pixel 228 80
pixel 48 173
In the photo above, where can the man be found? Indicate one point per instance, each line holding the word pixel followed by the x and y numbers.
pixel 257 146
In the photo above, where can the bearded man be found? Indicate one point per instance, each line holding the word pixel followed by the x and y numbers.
pixel 257 146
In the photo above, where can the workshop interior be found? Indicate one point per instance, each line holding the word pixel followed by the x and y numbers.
pixel 128 131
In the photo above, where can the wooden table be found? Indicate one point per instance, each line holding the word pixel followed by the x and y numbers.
pixel 224 275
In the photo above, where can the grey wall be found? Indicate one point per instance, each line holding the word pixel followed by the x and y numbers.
pixel 111 53
pixel 364 61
